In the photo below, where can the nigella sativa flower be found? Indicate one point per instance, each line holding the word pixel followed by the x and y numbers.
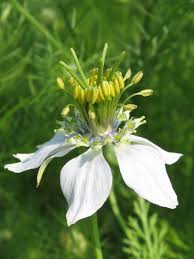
pixel 97 115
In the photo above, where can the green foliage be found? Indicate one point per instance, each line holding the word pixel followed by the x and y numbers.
pixel 158 38
pixel 148 237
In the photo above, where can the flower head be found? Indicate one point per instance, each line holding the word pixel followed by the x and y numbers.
pixel 97 115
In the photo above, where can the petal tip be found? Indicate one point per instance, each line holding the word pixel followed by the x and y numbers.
pixel 70 221
pixel 7 167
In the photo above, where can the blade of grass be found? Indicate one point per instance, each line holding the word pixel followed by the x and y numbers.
pixel 36 24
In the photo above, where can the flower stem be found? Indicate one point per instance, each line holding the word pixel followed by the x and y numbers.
pixel 116 211
pixel 96 237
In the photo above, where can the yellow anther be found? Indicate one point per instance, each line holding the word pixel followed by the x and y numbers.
pixel 100 94
pixel 146 92
pixel 81 95
pixel 60 83
pixel 137 77
pixel 130 107
pixel 94 83
pixel 65 111
pixel 116 86
pixel 128 74
pixel 94 95
pixel 112 90
pixel 105 89
pixel 94 71
pixel 120 79
pixel 76 91
pixel 72 81
pixel 92 115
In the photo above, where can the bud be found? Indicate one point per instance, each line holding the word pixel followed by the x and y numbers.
pixel 60 83
pixel 137 77
pixel 65 111
pixel 128 74
pixel 92 115
pixel 130 107
pixel 146 92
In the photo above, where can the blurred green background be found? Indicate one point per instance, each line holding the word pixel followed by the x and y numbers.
pixel 158 36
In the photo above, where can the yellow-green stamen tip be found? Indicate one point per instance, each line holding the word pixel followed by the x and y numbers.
pixel 60 83
pixel 146 92
pixel 65 111
pixel 137 78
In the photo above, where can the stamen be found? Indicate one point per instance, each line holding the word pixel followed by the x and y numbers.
pixel 129 107
pixel 128 74
pixel 60 83
pixel 96 99
pixel 136 79
pixel 65 111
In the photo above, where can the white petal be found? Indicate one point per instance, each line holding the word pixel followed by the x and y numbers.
pixel 144 171
pixel 86 183
pixel 56 139
pixel 22 157
pixel 168 157
pixel 34 160
pixel 48 160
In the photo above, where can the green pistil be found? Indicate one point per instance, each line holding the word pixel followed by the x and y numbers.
pixel 72 73
pixel 79 68
pixel 102 61
pixel 118 62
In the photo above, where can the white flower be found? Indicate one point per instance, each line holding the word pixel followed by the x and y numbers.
pixel 100 118
pixel 86 180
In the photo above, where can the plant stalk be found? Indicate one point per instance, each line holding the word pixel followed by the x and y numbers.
pixel 96 237
pixel 116 211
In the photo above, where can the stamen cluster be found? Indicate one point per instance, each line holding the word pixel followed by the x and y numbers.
pixel 97 98
pixel 96 92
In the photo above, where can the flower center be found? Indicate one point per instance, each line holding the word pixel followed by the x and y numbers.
pixel 97 99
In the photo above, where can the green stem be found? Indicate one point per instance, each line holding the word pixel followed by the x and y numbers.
pixel 116 211
pixel 96 237
pixel 129 97
pixel 148 237
pixel 36 23
pixel 125 89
